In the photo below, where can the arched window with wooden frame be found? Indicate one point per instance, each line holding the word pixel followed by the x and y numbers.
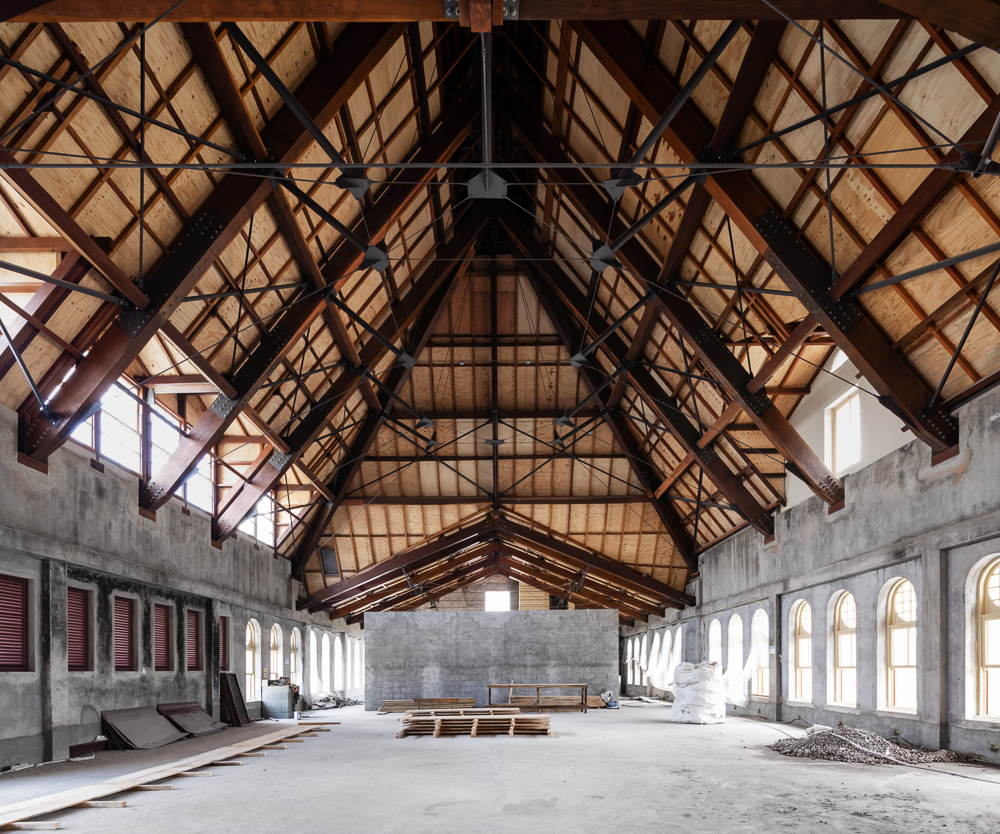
pixel 628 661
pixel 901 643
pixel 803 652
pixel 643 662
pixel 845 651
pixel 324 661
pixel 989 641
pixel 734 657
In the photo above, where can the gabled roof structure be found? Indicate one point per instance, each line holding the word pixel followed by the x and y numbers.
pixel 528 288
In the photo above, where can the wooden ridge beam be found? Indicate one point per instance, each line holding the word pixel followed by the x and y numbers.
pixel 450 500
pixel 433 10
pixel 220 219
pixel 901 389
pixel 295 321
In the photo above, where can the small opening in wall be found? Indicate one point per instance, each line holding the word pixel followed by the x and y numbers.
pixel 498 600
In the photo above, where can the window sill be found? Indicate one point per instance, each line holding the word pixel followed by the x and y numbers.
pixel 801 701
pixel 897 711
pixel 846 708
pixel 985 719
pixel 761 699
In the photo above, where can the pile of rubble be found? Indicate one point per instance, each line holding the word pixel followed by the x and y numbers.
pixel 327 700
pixel 846 744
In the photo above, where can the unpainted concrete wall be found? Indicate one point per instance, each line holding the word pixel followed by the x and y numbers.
pixel 937 526
pixel 455 654
pixel 78 526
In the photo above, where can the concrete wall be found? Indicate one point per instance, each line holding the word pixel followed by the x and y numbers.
pixel 441 654
pixel 937 526
pixel 882 432
pixel 79 526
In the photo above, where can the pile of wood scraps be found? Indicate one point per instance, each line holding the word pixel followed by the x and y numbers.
pixel 426 703
pixel 474 725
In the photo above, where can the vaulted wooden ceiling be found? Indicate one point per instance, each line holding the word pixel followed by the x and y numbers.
pixel 591 367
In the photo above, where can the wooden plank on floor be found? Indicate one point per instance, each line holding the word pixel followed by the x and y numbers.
pixel 103 803
pixel 19 811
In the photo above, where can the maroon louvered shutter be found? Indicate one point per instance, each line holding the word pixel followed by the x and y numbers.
pixel 193 646
pixel 224 644
pixel 161 638
pixel 124 635
pixel 77 628
pixel 13 624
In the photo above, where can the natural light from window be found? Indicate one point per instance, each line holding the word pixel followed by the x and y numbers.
pixel 498 600
pixel 845 428
pixel 839 358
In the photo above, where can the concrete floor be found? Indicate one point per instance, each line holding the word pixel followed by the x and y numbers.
pixel 606 771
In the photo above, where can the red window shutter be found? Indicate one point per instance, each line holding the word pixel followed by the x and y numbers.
pixel 193 645
pixel 161 638
pixel 77 628
pixel 223 644
pixel 13 624
pixel 124 634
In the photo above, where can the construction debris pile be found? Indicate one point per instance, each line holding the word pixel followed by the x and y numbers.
pixel 846 744
pixel 327 700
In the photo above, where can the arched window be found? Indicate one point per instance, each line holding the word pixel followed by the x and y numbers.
pixel 314 682
pixel 275 671
pixel 663 665
pixel 845 651
pixel 901 623
pixel 338 663
pixel 734 658
pixel 758 650
pixel 803 652
pixel 715 642
pixel 348 658
pixel 357 664
pixel 643 661
pixel 361 664
pixel 989 641
pixel 294 658
pixel 324 661
pixel 654 658
pixel 251 674
pixel 628 661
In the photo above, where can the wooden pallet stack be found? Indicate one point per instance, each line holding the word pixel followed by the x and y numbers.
pixel 593 701
pixel 426 703
pixel 474 725
pixel 468 711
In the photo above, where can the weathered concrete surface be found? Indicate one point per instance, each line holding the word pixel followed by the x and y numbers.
pixel 78 526
pixel 440 654
pixel 937 526
pixel 607 771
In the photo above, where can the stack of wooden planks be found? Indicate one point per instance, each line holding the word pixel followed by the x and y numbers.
pixel 474 725
pixel 466 711
pixel 426 703
pixel 593 701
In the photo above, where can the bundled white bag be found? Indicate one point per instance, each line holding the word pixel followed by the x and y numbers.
pixel 700 696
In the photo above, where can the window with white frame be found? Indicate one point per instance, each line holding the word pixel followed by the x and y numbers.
pixel 758 649
pixel 901 642
pixel 324 660
pixel 120 436
pixel 803 652
pixel 643 661
pixel 734 659
pixel 260 524
pixel 628 661
pixel 338 663
pixel 715 642
pixel 845 651
pixel 844 418
pixel 989 641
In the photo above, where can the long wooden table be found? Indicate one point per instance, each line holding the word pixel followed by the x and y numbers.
pixel 539 703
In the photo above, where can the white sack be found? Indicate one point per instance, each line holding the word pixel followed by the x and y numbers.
pixel 700 694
